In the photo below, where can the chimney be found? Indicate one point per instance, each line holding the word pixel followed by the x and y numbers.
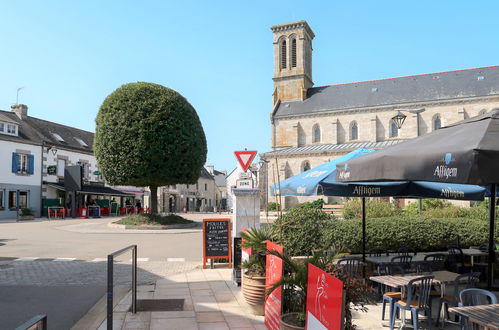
pixel 21 110
pixel 211 169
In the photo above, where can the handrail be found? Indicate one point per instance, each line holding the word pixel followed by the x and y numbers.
pixel 110 284
pixel 40 321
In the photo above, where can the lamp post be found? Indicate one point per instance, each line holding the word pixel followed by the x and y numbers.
pixel 399 119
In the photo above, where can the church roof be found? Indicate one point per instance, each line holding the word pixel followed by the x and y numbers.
pixel 440 86
pixel 340 147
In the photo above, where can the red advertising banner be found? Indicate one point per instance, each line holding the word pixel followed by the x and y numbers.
pixel 324 300
pixel 273 303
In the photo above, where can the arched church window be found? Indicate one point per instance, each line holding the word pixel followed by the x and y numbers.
pixel 293 53
pixel 354 131
pixel 437 123
pixel 305 166
pixel 283 54
pixel 394 130
pixel 316 134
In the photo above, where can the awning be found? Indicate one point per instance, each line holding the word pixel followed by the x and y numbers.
pixel 93 190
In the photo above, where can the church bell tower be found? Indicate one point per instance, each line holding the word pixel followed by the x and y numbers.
pixel 292 61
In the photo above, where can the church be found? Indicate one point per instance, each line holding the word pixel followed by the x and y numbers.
pixel 312 125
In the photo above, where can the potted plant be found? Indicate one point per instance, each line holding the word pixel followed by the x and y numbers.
pixel 25 214
pixel 253 283
pixel 294 282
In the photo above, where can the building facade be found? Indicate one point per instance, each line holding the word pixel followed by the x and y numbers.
pixel 312 125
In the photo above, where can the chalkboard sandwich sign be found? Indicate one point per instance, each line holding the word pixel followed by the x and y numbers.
pixel 216 240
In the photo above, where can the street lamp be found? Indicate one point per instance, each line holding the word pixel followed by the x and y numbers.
pixel 399 118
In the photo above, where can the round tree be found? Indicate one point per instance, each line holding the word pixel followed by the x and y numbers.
pixel 149 135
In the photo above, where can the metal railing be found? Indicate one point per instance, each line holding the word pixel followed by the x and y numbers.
pixel 110 282
pixel 38 322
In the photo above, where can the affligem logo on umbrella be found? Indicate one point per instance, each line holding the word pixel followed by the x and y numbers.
pixel 443 171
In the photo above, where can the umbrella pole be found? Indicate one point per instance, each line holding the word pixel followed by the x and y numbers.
pixel 492 219
pixel 364 230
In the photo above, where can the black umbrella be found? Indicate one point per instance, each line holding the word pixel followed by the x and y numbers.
pixel 466 152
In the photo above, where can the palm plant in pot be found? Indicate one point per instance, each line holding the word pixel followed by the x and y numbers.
pixel 294 282
pixel 253 283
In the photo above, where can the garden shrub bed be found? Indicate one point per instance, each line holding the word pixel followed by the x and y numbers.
pixel 419 233
pixel 152 220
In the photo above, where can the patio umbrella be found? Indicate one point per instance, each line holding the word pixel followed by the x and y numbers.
pixel 466 152
pixel 321 180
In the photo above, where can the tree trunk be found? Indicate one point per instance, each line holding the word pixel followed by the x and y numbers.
pixel 154 199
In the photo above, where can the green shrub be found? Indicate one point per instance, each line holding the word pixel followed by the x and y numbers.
pixel 301 230
pixel 26 212
pixel 272 206
pixel 317 204
pixel 374 209
pixel 427 204
pixel 152 219
pixel 420 233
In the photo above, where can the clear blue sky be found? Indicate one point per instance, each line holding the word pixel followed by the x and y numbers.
pixel 69 55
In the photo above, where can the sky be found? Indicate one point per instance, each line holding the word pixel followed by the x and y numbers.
pixel 69 55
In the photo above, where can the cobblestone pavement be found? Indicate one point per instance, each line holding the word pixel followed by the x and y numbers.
pixel 48 272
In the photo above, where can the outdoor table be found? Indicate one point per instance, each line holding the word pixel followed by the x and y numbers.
pixel 441 278
pixel 56 209
pixel 473 253
pixel 483 315
pixel 388 259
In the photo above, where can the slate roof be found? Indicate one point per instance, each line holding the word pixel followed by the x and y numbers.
pixel 37 131
pixel 205 174
pixel 396 91
pixel 319 148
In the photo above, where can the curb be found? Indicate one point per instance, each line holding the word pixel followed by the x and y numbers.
pixel 98 313
pixel 152 227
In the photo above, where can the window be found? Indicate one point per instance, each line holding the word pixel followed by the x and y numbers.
pixel 283 54
pixel 354 131
pixel 394 131
pixel 305 166
pixel 23 163
pixel 205 187
pixel 11 129
pixel 2 192
pixel 2 127
pixel 293 53
pixel 437 124
pixel 316 134
pixel 57 137
pixel 23 199
pixel 81 142
pixel 12 199
pixel 61 165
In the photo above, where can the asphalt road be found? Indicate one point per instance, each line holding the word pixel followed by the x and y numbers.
pixel 58 267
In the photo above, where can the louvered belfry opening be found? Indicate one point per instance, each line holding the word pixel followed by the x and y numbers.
pixel 293 53
pixel 283 54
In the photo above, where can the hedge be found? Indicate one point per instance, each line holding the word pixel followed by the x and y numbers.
pixel 420 233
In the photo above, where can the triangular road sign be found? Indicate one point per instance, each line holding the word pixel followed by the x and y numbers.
pixel 245 158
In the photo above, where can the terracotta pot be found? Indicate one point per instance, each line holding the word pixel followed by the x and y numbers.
pixel 253 288
pixel 289 317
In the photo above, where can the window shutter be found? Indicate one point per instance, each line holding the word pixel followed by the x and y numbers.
pixel 17 199
pixel 31 164
pixel 15 162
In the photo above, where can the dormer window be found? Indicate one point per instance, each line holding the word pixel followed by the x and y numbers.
pixel 57 137
pixel 9 129
pixel 81 142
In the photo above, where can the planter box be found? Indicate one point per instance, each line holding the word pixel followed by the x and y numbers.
pixel 25 217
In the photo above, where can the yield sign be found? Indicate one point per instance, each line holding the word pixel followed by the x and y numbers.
pixel 245 158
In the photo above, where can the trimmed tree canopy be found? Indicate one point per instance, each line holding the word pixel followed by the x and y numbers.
pixel 149 135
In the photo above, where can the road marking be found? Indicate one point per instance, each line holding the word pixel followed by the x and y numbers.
pixel 26 259
pixel 175 259
pixel 64 259
pixel 141 259
pixel 99 259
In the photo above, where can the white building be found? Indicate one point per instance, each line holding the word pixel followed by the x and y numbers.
pixel 234 176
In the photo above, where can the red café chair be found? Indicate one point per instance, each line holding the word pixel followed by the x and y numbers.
pixel 122 210
pixel 104 211
pixel 148 210
pixel 141 210
pixel 60 213
pixel 51 213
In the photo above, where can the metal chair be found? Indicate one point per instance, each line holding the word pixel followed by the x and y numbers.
pixel 462 282
pixel 424 267
pixel 377 252
pixel 406 252
pixel 418 299
pixel 455 260
pixel 393 296
pixel 436 260
pixel 404 261
pixel 353 266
